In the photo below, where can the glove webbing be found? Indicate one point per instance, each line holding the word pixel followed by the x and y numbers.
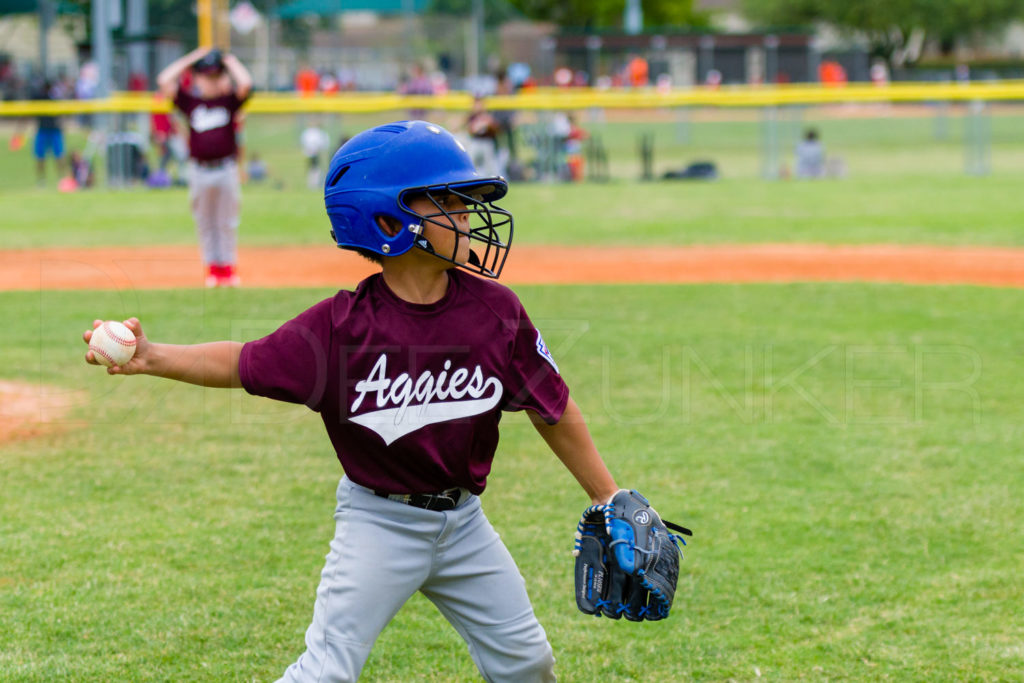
pixel 609 510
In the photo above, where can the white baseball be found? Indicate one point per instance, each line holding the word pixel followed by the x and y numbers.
pixel 112 343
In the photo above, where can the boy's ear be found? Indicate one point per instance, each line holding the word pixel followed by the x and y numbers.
pixel 388 225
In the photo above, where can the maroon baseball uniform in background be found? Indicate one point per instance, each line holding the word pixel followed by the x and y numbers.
pixel 411 395
pixel 214 186
pixel 211 124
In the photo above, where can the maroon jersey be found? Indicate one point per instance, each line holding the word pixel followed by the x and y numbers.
pixel 211 124
pixel 411 395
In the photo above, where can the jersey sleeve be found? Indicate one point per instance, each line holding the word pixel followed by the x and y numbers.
pixel 532 379
pixel 290 364
pixel 233 102
pixel 184 100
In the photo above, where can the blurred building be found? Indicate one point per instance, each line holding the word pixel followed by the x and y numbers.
pixel 998 53
pixel 20 43
pixel 690 58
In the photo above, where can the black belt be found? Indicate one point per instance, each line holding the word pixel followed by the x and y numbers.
pixel 213 163
pixel 440 502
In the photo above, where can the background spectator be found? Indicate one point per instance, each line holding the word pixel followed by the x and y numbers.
pixel 314 142
pixel 810 156
pixel 49 138
pixel 483 136
pixel 417 84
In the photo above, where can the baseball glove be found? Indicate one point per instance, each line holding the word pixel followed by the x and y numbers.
pixel 627 561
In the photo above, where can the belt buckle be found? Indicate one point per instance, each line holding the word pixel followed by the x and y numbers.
pixel 451 496
pixel 437 502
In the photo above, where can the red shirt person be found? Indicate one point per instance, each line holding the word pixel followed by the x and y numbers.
pixel 220 86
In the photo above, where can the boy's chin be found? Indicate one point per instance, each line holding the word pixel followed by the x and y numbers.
pixel 467 258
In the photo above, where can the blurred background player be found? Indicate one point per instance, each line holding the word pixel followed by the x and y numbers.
pixel 506 137
pixel 170 147
pixel 418 83
pixel 314 142
pixel 49 135
pixel 810 156
pixel 256 168
pixel 220 85
pixel 483 138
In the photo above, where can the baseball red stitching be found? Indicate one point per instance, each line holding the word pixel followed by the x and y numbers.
pixel 120 340
pixel 96 349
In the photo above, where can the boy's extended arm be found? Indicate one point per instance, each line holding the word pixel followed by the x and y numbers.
pixel 570 440
pixel 214 364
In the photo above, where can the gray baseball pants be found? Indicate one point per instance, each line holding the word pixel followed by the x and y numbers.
pixel 383 552
pixel 214 194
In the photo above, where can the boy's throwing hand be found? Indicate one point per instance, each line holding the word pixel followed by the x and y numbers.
pixel 137 364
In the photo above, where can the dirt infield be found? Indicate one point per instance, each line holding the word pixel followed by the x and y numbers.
pixel 28 410
pixel 318 266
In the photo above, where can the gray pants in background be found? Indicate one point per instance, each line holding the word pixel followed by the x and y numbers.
pixel 214 194
pixel 383 552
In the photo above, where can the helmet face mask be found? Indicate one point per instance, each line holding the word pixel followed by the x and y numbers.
pixel 380 172
pixel 489 228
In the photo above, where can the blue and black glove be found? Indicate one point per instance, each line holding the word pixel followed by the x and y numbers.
pixel 627 560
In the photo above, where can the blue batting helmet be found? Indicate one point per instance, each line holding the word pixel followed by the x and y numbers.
pixel 375 174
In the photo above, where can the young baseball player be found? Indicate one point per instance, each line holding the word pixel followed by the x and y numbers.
pixel 49 135
pixel 220 85
pixel 410 373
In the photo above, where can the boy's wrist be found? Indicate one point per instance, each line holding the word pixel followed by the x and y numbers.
pixel 603 496
pixel 145 357
pixel 158 361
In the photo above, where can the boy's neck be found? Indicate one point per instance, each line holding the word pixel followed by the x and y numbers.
pixel 416 285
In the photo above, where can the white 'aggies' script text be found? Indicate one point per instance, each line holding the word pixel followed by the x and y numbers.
pixel 207 118
pixel 451 395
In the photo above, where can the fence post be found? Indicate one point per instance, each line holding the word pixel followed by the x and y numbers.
pixel 941 129
pixel 682 125
pixel 978 140
pixel 770 143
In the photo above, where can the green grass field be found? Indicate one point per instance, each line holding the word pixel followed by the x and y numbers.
pixel 847 455
pixel 923 210
pixel 904 186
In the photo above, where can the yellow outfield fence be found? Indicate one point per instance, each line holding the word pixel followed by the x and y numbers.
pixel 553 98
